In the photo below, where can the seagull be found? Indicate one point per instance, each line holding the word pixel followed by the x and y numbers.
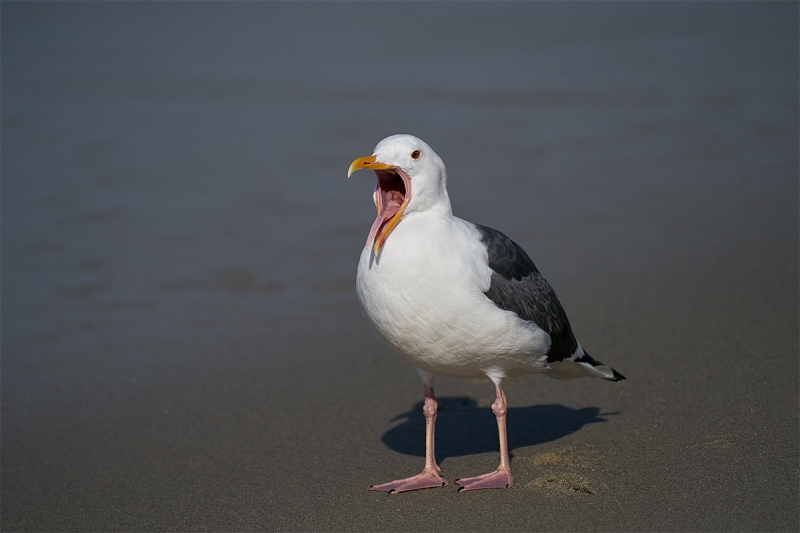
pixel 456 298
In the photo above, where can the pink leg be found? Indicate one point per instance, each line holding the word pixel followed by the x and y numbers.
pixel 500 478
pixel 429 478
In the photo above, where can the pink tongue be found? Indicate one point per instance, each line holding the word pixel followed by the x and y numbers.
pixel 379 222
pixel 390 206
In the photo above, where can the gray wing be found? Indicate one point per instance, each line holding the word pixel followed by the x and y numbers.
pixel 517 286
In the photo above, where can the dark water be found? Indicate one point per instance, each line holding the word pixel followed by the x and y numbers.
pixel 157 151
pixel 175 213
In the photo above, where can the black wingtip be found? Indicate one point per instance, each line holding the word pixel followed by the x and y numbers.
pixel 617 377
pixel 588 359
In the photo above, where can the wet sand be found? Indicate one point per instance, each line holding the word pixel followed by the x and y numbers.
pixel 182 347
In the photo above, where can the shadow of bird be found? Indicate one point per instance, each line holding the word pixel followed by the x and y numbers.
pixel 463 428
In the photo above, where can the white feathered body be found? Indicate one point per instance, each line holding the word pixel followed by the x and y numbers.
pixel 424 294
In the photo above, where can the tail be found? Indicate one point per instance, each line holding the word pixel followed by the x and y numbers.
pixel 595 368
pixel 583 365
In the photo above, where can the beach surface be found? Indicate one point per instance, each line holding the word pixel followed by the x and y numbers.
pixel 182 346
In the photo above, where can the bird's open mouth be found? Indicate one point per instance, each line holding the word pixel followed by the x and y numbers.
pixel 392 194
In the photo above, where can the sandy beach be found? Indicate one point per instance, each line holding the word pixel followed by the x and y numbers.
pixel 182 346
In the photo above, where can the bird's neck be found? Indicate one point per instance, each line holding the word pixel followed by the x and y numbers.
pixel 439 206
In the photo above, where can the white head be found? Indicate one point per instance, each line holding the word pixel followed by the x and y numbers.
pixel 411 178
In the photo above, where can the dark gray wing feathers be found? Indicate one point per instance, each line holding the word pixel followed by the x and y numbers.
pixel 517 286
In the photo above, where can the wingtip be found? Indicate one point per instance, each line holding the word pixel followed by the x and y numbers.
pixel 617 377
pixel 599 369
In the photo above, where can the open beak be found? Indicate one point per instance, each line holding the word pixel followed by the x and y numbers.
pixel 392 194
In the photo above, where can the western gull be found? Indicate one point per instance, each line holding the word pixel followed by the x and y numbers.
pixel 456 298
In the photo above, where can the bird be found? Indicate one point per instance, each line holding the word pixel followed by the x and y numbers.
pixel 456 298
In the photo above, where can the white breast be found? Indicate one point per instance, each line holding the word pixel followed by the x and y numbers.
pixel 424 295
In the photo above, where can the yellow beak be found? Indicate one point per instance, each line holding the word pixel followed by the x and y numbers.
pixel 366 162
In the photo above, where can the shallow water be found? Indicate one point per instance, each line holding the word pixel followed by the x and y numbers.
pixel 163 150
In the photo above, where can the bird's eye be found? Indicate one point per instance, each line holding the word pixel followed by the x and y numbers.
pixel 415 155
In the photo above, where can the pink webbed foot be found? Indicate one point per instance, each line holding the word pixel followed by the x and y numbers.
pixel 499 479
pixel 428 479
